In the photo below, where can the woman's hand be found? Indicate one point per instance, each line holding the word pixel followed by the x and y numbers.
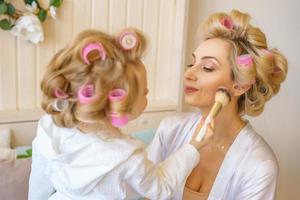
pixel 206 138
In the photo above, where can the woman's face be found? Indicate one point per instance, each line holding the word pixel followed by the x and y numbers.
pixel 209 70
pixel 141 101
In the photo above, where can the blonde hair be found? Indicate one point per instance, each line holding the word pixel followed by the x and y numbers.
pixel 248 39
pixel 68 72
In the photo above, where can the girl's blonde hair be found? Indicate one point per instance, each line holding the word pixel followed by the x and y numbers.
pixel 270 66
pixel 68 72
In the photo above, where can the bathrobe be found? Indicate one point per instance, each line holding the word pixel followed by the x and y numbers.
pixel 249 169
pixel 70 165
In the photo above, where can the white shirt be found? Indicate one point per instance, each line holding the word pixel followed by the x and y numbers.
pixel 249 169
pixel 67 164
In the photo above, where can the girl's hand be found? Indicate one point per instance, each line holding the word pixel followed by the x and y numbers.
pixel 206 138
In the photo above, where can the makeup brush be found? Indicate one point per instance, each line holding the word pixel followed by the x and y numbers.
pixel 222 98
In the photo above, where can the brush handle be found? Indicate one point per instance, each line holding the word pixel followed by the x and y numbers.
pixel 212 114
pixel 215 109
pixel 203 129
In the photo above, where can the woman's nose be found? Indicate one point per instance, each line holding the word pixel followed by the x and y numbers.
pixel 190 74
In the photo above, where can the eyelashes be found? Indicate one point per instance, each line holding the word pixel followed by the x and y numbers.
pixel 207 67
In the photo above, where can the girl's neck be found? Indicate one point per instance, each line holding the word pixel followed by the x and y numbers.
pixel 104 127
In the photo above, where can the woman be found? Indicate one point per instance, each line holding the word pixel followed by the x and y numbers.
pixel 236 163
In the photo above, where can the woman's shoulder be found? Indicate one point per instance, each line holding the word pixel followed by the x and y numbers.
pixel 261 156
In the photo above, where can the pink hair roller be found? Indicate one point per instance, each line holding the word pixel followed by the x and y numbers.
pixel 61 103
pixel 276 70
pixel 60 94
pixel 117 95
pixel 245 60
pixel 269 54
pixel 227 22
pixel 118 121
pixel 93 47
pixel 86 94
pixel 128 40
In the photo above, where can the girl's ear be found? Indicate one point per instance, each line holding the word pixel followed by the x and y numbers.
pixel 238 90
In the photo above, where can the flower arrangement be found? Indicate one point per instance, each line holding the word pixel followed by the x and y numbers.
pixel 25 19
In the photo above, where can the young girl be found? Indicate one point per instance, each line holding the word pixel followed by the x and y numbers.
pixel 94 85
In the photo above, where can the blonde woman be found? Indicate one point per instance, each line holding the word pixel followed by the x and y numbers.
pixel 93 86
pixel 236 163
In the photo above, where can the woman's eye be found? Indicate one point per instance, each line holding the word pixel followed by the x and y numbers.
pixel 208 67
pixel 190 65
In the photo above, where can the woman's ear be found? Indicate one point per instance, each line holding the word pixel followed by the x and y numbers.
pixel 238 89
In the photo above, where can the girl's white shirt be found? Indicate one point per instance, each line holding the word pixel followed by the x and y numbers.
pixel 68 164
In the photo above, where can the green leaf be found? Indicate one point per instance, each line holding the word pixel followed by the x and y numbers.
pixel 42 15
pixel 22 156
pixel 10 9
pixel 5 24
pixel 56 3
pixel 1 1
pixel 30 2
pixel 29 152
pixel 3 8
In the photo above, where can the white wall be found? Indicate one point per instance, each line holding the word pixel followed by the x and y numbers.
pixel 22 64
pixel 279 124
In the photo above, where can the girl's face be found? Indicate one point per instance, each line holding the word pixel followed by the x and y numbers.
pixel 141 101
pixel 209 70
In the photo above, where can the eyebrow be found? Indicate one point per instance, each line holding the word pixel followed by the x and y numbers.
pixel 207 57
pixel 211 57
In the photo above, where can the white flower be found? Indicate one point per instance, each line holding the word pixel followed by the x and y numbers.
pixel 44 4
pixel 33 8
pixel 53 12
pixel 29 28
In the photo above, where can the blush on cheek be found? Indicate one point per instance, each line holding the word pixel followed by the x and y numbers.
pixel 200 98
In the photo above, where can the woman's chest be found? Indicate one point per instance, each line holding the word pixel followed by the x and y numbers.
pixel 204 174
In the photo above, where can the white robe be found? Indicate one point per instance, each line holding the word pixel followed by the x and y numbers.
pixel 249 169
pixel 70 165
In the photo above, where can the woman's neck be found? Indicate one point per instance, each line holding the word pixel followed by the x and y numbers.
pixel 227 127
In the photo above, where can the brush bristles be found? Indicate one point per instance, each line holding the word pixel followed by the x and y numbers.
pixel 222 96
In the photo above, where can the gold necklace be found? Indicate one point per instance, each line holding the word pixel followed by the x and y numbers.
pixel 220 147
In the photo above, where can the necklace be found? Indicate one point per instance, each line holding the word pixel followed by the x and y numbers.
pixel 220 147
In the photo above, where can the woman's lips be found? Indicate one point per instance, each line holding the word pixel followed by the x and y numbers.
pixel 190 90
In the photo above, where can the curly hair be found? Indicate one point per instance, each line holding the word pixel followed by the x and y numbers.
pixel 270 66
pixel 68 72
